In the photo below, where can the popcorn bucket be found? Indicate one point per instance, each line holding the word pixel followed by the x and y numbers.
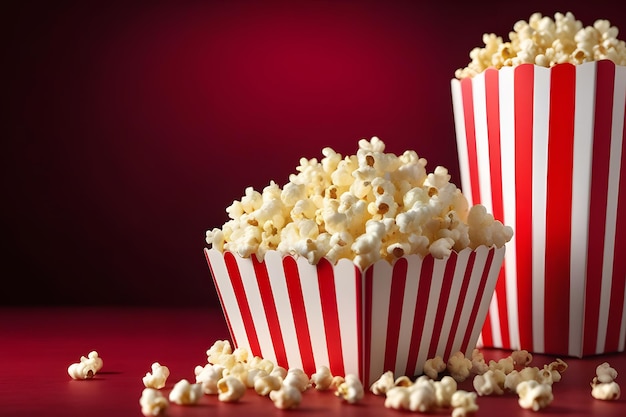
pixel 543 149
pixel 388 317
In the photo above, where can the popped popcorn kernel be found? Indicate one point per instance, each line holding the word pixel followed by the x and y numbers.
pixel 534 395
pixel 603 385
pixel 286 397
pixel 547 41
pixel 322 378
pixel 87 367
pixel 186 393
pixel 230 389
pixel 365 207
pixel 157 378
pixel 351 389
pixel 152 402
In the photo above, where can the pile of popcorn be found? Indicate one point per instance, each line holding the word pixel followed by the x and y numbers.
pixel 546 42
pixel 364 207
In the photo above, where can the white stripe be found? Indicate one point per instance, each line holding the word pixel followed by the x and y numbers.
pixel 347 310
pixel 581 190
pixel 229 301
pixel 255 303
pixel 461 139
pixel 507 150
pixel 414 265
pixel 467 303
pixel 482 141
pixel 494 319
pixel 453 302
pixel 278 282
pixel 617 129
pixel 313 306
pixel 431 311
pixel 490 285
pixel 541 111
pixel 381 293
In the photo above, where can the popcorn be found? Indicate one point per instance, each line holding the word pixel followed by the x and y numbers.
pixel 87 367
pixel 491 382
pixel 351 389
pixel 603 386
pixel 322 379
pixel 208 376
pixel 383 384
pixel 397 398
pixel 422 395
pixel 297 378
pixel 152 402
pixel 185 393
pixel 365 207
pixel 434 366
pixel 459 366
pixel 266 384
pixel 444 390
pixel 464 403
pixel 230 389
pixel 546 42
pixel 534 395
pixel 157 378
pixel 286 397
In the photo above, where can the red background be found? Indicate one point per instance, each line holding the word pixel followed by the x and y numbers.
pixel 131 126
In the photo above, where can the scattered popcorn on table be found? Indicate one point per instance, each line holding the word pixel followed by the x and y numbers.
pixel 422 395
pixel 365 207
pixel 185 393
pixel 322 378
pixel 383 384
pixel 208 375
pixel 286 397
pixel 603 385
pixel 545 41
pixel 351 389
pixel 433 367
pixel 534 395
pixel 491 382
pixel 87 367
pixel 444 390
pixel 266 384
pixel 152 402
pixel 464 404
pixel 157 378
pixel 297 378
pixel 459 366
pixel 230 389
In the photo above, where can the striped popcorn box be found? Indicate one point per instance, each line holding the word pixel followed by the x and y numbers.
pixel 388 317
pixel 543 149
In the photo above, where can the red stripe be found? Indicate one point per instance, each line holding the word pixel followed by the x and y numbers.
pixel 296 299
pixel 398 281
pixel 558 211
pixel 605 77
pixel 616 308
pixel 492 90
pixel 444 296
pixel 328 298
pixel 367 322
pixel 523 96
pixel 478 300
pixel 470 134
pixel 271 314
pixel 459 306
pixel 358 280
pixel 421 305
pixel 219 295
pixel 242 302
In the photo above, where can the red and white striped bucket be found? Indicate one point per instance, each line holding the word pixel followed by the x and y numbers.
pixel 388 317
pixel 544 150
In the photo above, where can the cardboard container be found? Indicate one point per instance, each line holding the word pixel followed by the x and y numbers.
pixel 544 150
pixel 388 317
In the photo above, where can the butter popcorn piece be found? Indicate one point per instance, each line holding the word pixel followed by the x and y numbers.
pixel 157 378
pixel 383 384
pixel 185 393
pixel 459 366
pixel 152 402
pixel 288 396
pixel 422 395
pixel 534 395
pixel 351 390
pixel 208 376
pixel 603 385
pixel 322 378
pixel 463 403
pixel 297 378
pixel 434 366
pixel 87 367
pixel 230 389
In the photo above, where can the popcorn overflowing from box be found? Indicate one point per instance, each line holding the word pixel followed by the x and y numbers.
pixel 541 135
pixel 364 263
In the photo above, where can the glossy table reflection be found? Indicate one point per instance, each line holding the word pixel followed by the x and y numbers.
pixel 38 344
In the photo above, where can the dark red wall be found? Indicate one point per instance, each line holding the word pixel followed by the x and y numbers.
pixel 129 127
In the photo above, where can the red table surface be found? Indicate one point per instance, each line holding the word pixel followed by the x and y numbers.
pixel 38 344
